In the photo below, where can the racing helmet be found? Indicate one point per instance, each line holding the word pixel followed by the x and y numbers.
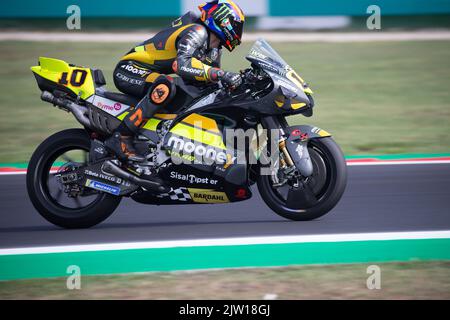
pixel 225 19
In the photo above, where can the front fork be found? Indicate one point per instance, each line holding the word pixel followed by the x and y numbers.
pixel 293 145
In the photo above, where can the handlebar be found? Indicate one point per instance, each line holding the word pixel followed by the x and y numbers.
pixel 248 77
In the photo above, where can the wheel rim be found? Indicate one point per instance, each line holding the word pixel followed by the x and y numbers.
pixel 60 160
pixel 319 181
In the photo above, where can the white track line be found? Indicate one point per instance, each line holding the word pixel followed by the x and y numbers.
pixel 12 173
pixel 300 36
pixel 368 163
pixel 445 234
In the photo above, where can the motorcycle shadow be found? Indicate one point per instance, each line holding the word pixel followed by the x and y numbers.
pixel 135 225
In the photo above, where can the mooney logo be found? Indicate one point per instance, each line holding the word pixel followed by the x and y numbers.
pixel 192 70
pixel 199 150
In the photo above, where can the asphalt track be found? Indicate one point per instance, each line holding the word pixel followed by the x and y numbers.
pixel 387 198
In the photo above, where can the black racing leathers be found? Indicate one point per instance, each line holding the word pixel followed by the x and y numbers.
pixel 143 72
pixel 182 49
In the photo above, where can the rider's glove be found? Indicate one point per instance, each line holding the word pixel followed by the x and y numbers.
pixel 231 80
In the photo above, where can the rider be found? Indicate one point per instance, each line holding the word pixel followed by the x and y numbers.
pixel 191 48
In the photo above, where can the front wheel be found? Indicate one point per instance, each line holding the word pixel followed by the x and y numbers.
pixel 326 185
pixel 66 206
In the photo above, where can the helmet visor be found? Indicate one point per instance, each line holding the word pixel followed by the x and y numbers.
pixel 233 32
pixel 238 27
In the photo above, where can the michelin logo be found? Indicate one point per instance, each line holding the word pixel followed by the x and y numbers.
pixel 103 187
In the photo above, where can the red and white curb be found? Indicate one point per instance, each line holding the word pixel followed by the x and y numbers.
pixel 376 162
pixel 14 171
pixel 350 162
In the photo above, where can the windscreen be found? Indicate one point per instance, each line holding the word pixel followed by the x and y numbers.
pixel 266 57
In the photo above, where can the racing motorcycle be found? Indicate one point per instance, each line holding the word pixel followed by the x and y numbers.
pixel 75 182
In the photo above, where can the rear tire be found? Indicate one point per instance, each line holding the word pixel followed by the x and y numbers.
pixel 38 172
pixel 336 181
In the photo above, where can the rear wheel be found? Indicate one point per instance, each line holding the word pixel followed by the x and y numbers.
pixel 326 185
pixel 58 204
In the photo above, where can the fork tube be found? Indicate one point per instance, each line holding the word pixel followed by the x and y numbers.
pixel 270 123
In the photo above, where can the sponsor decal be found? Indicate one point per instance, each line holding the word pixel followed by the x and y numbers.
pixel 110 106
pixel 117 106
pixel 270 68
pixel 320 132
pixel 129 80
pixel 107 176
pixel 207 196
pixel 191 178
pixel 160 93
pixel 135 70
pixel 197 72
pixel 102 187
pixel 258 55
pixel 304 137
pixel 298 133
pixel 199 150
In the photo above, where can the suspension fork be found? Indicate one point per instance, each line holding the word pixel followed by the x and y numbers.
pixel 294 150
pixel 278 123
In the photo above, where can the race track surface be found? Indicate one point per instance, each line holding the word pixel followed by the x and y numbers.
pixel 378 199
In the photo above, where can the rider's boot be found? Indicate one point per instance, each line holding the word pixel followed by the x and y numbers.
pixel 122 146
pixel 121 143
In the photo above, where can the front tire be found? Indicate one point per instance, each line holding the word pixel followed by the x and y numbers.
pixel 333 172
pixel 38 177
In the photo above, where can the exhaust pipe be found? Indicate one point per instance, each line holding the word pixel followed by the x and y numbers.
pixel 79 112
pixel 111 168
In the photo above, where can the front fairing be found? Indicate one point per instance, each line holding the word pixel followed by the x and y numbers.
pixel 290 93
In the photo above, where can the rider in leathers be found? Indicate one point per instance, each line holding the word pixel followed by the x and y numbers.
pixel 191 48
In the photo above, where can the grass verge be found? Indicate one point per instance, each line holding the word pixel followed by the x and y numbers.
pixel 375 98
pixel 406 280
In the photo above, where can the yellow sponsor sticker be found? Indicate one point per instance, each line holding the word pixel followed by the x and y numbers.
pixel 207 196
pixel 324 133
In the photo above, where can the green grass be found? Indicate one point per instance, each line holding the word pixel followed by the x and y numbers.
pixel 408 280
pixel 375 98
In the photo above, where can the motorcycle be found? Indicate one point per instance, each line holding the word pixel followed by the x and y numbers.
pixel 75 182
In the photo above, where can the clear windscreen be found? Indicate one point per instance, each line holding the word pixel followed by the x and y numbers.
pixel 265 56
